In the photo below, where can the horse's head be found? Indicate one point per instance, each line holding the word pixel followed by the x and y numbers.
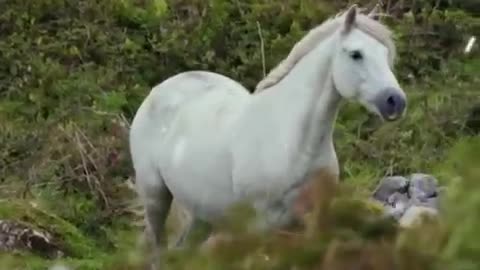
pixel 362 66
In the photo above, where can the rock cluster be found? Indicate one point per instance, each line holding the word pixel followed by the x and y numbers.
pixel 405 199
pixel 18 236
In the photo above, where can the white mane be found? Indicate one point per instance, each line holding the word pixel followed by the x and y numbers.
pixel 319 33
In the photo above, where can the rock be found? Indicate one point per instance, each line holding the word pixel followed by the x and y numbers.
pixel 395 212
pixel 17 236
pixel 398 198
pixel 414 215
pixel 389 186
pixel 397 204
pixel 433 203
pixel 422 186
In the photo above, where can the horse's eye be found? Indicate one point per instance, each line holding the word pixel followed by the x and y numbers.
pixel 356 55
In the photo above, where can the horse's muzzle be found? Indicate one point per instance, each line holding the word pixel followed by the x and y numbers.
pixel 391 103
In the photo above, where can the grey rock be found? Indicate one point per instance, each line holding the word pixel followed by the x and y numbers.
pixel 417 195
pixel 398 198
pixel 394 211
pixel 397 204
pixel 433 203
pixel 414 215
pixel 389 186
pixel 422 186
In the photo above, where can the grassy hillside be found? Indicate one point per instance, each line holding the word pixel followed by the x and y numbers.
pixel 73 74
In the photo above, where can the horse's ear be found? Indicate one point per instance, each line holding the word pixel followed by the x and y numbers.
pixel 350 18
pixel 374 12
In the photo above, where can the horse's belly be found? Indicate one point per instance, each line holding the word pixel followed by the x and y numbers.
pixel 202 196
pixel 197 172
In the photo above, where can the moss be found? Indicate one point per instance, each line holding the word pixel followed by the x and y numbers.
pixel 22 261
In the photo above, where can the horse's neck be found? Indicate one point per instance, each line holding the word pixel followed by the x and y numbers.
pixel 307 100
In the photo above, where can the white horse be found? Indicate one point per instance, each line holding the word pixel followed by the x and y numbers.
pixel 203 139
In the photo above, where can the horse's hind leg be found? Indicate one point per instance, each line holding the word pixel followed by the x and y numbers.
pixel 157 199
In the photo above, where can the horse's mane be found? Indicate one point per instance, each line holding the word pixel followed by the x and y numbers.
pixel 370 26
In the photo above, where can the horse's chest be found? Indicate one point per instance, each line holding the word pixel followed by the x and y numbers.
pixel 264 178
pixel 281 182
pixel 288 207
pixel 274 170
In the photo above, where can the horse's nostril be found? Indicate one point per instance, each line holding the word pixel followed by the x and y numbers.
pixel 391 101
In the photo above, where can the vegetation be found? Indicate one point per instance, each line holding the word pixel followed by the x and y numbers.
pixel 73 74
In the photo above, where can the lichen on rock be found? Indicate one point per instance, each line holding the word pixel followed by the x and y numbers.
pixel 16 236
